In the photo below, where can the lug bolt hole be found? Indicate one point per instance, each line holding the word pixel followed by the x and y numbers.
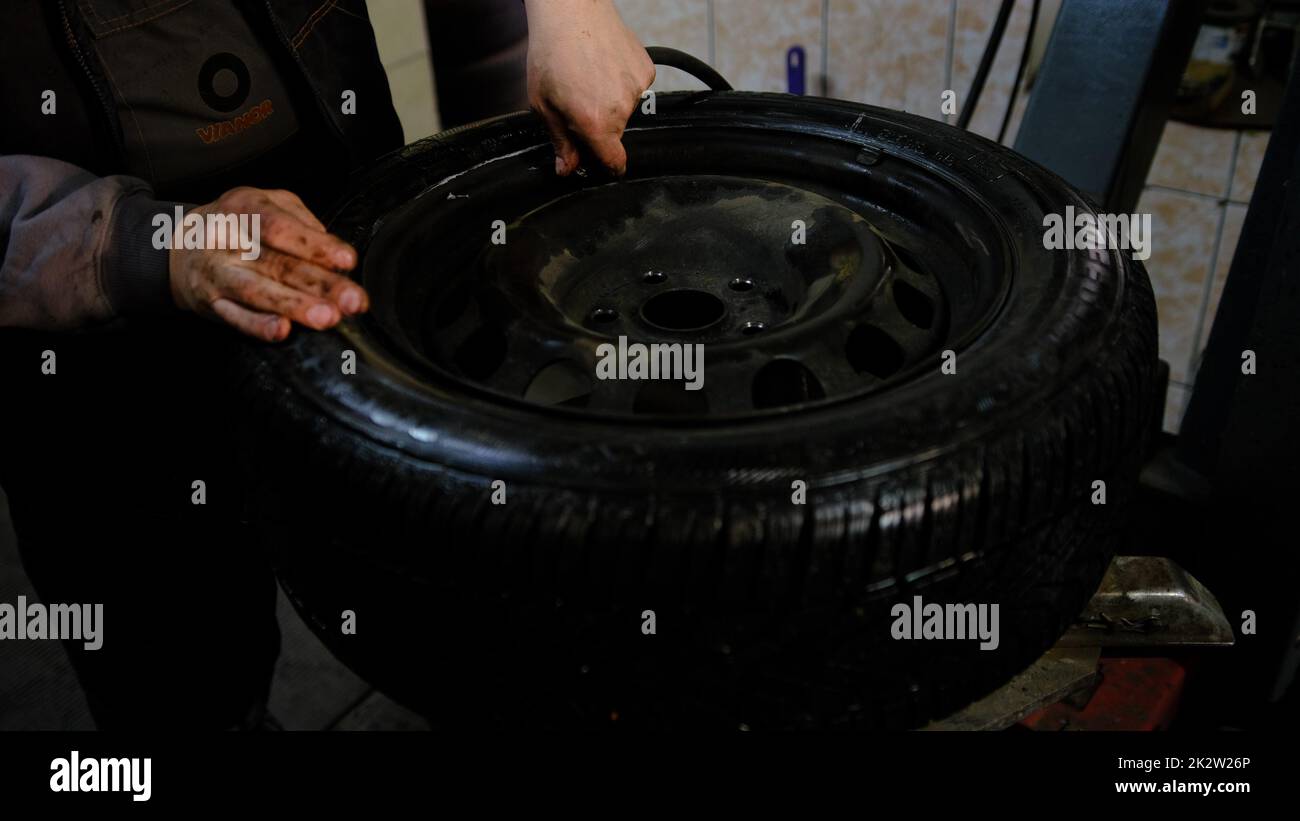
pixel 741 284
pixel 604 316
pixel 653 277
pixel 751 328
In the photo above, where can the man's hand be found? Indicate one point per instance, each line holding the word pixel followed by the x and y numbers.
pixel 586 72
pixel 293 278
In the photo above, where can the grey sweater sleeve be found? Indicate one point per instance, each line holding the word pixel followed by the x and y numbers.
pixel 76 249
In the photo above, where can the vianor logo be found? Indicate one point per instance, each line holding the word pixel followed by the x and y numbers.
pixel 77 774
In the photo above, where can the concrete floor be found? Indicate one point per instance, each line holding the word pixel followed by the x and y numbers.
pixel 311 689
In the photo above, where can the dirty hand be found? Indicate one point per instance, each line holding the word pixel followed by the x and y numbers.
pixel 586 73
pixel 294 276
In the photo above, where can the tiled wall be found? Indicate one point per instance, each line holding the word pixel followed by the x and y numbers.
pixel 904 54
pixel 895 53
pixel 404 50
pixel 1197 194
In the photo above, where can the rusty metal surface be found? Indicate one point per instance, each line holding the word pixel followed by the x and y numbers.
pixel 1149 601
pixel 1060 673
pixel 1143 601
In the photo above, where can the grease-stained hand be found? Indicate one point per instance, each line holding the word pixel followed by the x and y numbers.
pixel 296 277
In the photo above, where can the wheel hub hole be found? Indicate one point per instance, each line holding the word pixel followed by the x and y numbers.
pixel 683 310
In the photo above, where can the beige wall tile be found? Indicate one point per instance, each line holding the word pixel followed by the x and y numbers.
pixel 974 22
pixel 404 51
pixel 411 83
pixel 1233 218
pixel 1017 116
pixel 751 40
pixel 889 53
pixel 1183 228
pixel 679 24
pixel 399 28
pixel 1249 158
pixel 1175 406
pixel 1191 158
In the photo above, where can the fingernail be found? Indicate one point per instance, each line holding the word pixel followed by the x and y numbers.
pixel 559 166
pixel 350 300
pixel 344 257
pixel 320 315
pixel 273 329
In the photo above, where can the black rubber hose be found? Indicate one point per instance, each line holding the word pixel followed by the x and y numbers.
pixel 982 73
pixel 693 66
pixel 1020 70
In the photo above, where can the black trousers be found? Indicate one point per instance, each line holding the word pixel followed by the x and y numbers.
pixel 100 461
pixel 480 58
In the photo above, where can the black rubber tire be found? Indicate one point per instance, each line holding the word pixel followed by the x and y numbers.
pixel 972 487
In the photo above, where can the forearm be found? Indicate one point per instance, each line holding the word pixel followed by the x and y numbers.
pixel 547 11
pixel 75 249
pixel 563 25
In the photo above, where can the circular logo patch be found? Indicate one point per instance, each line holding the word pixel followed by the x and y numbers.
pixel 214 82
